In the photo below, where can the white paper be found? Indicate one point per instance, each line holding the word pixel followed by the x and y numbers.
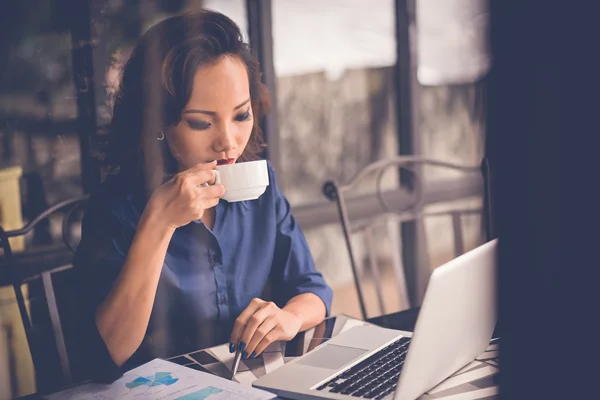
pixel 489 355
pixel 465 378
pixel 160 379
pixel 222 354
pixel 468 367
pixel 274 347
pixel 245 377
pixel 272 361
pixel 474 394
pixel 493 347
pixel 218 369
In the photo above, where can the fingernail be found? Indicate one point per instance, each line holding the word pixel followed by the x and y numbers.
pixel 253 355
pixel 231 347
pixel 242 345
pixel 245 355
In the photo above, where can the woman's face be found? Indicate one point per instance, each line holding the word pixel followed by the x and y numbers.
pixel 217 121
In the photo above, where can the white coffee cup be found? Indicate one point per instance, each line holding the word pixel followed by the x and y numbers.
pixel 243 181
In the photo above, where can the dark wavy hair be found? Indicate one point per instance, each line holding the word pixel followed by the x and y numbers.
pixel 156 84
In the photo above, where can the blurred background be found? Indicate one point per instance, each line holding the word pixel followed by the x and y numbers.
pixel 353 82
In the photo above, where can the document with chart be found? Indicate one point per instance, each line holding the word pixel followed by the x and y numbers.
pixel 160 379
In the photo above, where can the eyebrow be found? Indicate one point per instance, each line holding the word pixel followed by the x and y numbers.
pixel 214 113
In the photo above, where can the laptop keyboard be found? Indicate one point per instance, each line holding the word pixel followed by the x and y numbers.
pixel 373 378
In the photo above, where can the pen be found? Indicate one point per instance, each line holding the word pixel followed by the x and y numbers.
pixel 236 363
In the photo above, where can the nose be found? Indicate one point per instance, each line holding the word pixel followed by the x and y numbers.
pixel 226 140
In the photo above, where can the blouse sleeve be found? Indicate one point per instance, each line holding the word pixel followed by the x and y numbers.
pixel 293 266
pixel 99 258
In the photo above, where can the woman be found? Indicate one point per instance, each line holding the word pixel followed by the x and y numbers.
pixel 166 266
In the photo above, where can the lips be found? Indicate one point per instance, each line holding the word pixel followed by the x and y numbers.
pixel 226 161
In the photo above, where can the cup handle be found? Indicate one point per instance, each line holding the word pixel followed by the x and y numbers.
pixel 217 178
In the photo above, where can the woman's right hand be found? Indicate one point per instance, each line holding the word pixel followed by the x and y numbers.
pixel 183 199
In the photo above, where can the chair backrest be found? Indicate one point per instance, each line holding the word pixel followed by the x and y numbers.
pixel 19 275
pixel 389 216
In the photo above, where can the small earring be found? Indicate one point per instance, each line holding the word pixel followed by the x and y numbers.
pixel 162 136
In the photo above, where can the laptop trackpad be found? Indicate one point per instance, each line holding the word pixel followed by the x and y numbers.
pixel 331 356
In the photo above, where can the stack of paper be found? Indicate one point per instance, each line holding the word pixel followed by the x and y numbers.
pixel 161 379
pixel 477 380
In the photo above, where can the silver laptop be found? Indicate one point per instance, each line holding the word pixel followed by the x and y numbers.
pixel 454 326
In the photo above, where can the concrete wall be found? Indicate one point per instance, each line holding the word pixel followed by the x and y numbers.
pixel 329 130
pixel 451 125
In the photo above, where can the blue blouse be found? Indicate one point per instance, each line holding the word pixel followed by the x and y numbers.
pixel 255 249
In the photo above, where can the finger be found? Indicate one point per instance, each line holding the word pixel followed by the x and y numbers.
pixel 187 181
pixel 205 204
pixel 267 326
pixel 212 192
pixel 213 180
pixel 252 325
pixel 201 167
pixel 269 338
pixel 201 177
pixel 242 320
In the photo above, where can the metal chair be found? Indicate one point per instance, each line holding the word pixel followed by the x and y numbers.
pixel 391 217
pixel 18 277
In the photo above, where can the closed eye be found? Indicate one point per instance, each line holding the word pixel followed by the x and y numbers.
pixel 245 116
pixel 198 125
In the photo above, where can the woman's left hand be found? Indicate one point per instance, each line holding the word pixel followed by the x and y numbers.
pixel 261 324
